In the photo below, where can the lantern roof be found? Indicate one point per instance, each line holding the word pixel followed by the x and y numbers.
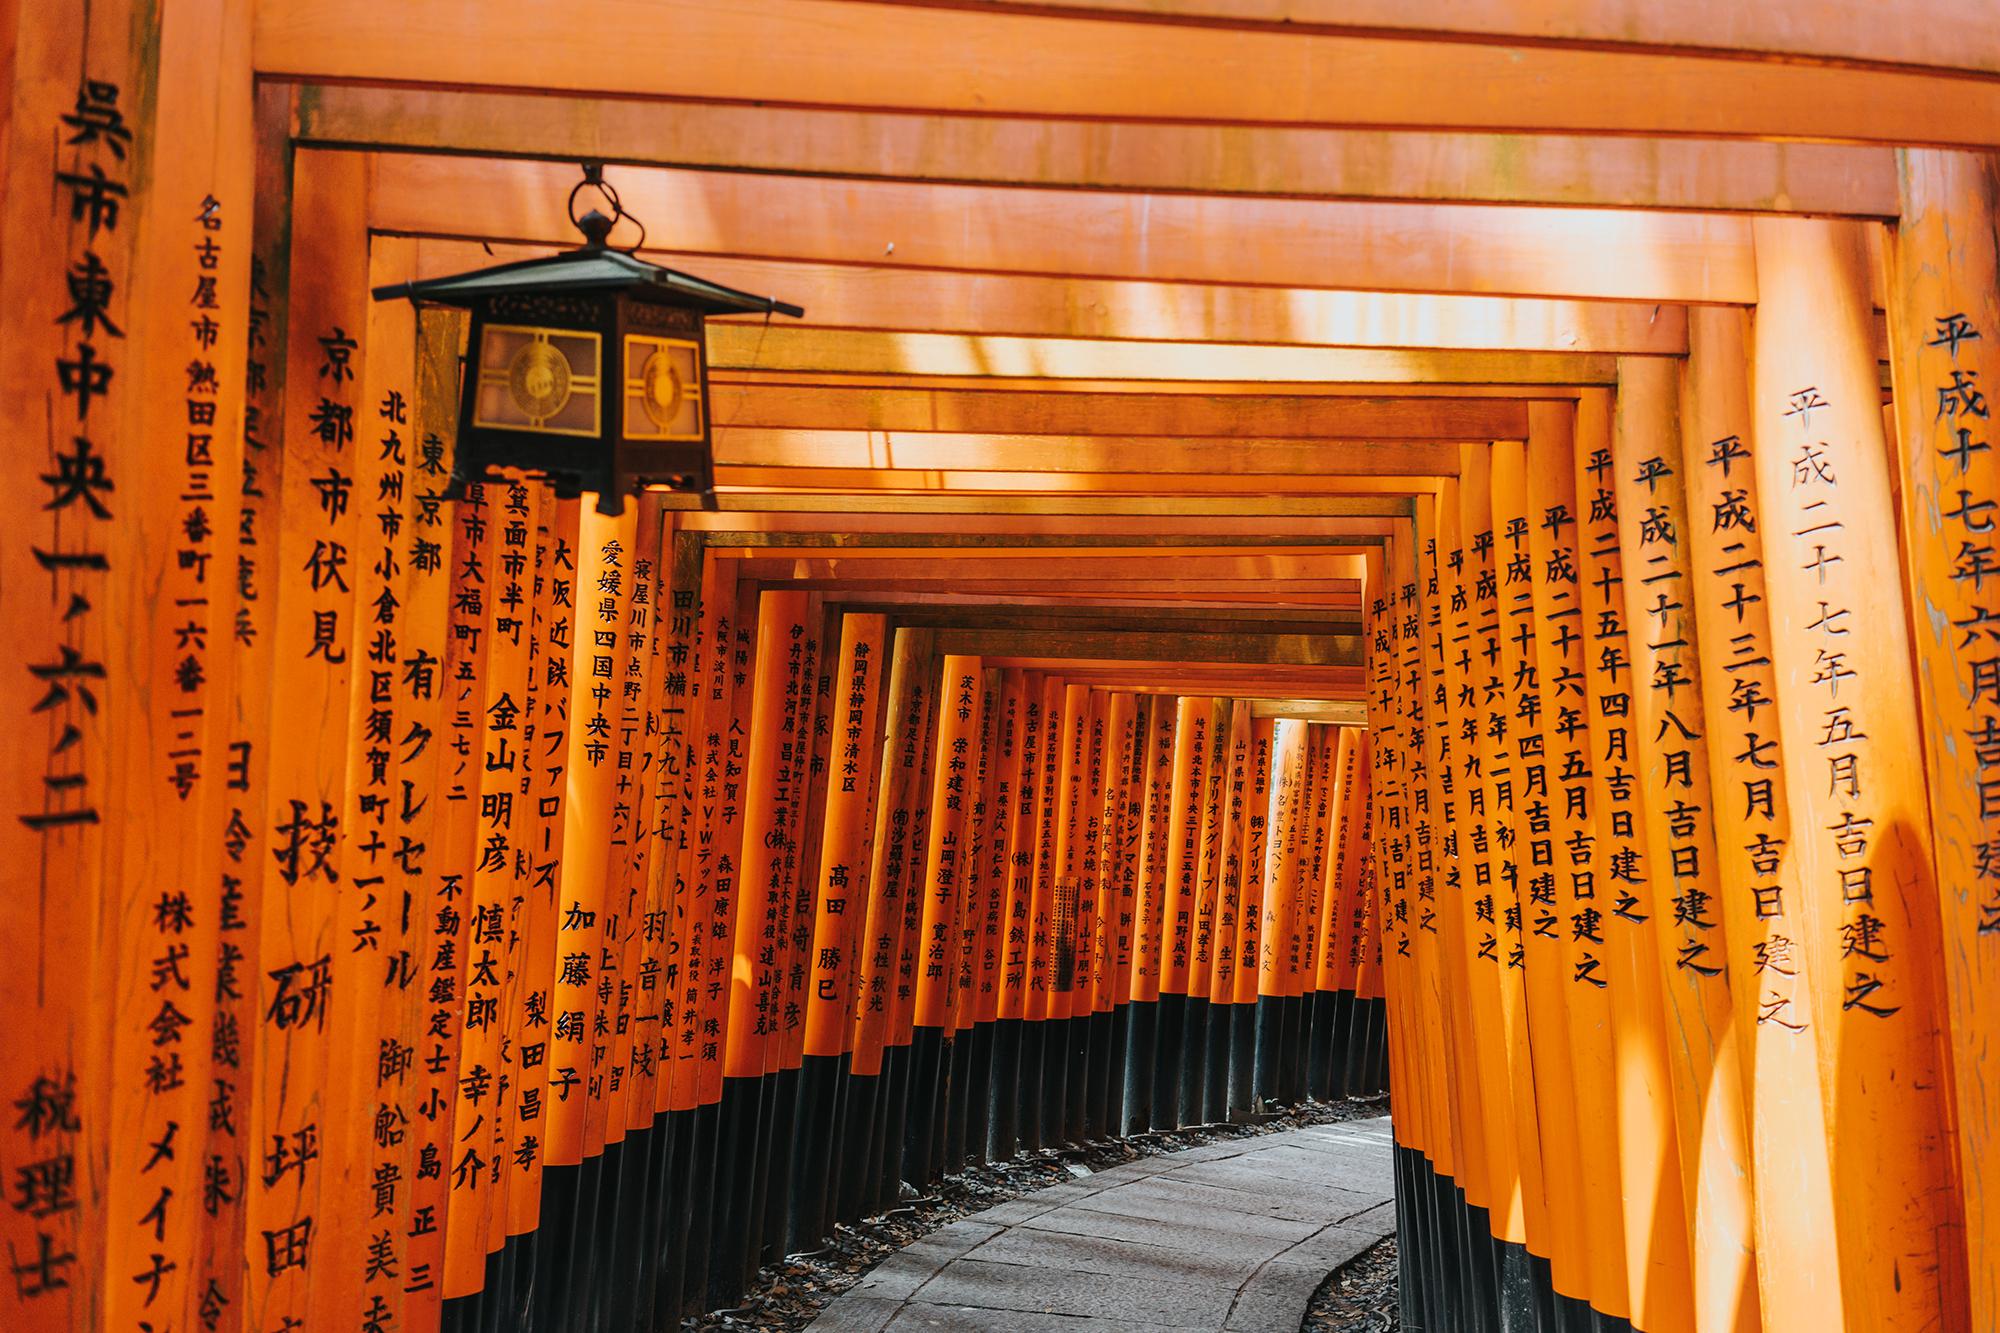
pixel 593 267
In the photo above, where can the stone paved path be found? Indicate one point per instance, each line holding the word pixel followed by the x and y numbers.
pixel 1234 1236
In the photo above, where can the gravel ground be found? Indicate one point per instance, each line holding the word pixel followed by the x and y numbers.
pixel 787 1296
pixel 1359 1296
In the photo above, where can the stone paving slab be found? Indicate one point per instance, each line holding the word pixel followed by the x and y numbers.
pixel 1227 1238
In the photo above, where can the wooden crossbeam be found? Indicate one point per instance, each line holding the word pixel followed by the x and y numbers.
pixel 1446 248
pixel 772 403
pixel 1049 384
pixel 1339 570
pixel 911 481
pixel 908 451
pixel 1219 612
pixel 991 615
pixel 1342 593
pixel 1952 36
pixel 911 407
pixel 824 53
pixel 864 297
pixel 1154 506
pixel 729 538
pixel 1332 712
pixel 775 349
pixel 1018 526
pixel 1237 647
pixel 1230 679
pixel 1571 171
pixel 954 550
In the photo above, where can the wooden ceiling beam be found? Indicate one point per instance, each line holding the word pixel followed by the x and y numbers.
pixel 1472 249
pixel 774 349
pixel 964 59
pixel 1342 571
pixel 1959 37
pixel 724 537
pixel 1147 619
pixel 1048 385
pixel 914 481
pixel 1143 456
pixel 909 406
pixel 1216 611
pixel 1342 593
pixel 1119 646
pixel 1055 526
pixel 1236 680
pixel 1289 162
pixel 952 549
pixel 940 503
pixel 868 298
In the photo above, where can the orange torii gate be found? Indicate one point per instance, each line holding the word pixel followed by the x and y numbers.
pixel 1435 575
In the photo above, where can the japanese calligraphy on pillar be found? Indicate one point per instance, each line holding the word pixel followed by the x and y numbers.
pixel 76 141
pixel 1944 300
pixel 844 849
pixel 1705 1055
pixel 371 969
pixel 545 761
pixel 1002 804
pixel 1851 733
pixel 314 671
pixel 602 594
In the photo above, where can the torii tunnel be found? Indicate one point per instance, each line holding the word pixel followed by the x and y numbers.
pixel 1299 549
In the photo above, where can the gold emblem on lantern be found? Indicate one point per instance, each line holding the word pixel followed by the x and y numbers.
pixel 663 390
pixel 538 379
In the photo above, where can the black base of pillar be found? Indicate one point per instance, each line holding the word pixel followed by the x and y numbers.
pixel 1291 1051
pixel 1242 1061
pixel 1170 1018
pixel 1457 1276
pixel 1215 1065
pixel 920 1119
pixel 1028 1086
pixel 1099 1119
pixel 1055 1082
pixel 1003 1092
pixel 895 1113
pixel 729 1247
pixel 1076 1093
pixel 815 1154
pixel 1194 1059
pixel 954 1112
pixel 1136 1070
pixel 978 1091
pixel 1270 1039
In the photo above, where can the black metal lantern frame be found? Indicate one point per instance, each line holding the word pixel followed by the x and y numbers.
pixel 588 368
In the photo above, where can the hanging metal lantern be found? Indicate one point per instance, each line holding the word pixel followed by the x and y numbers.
pixel 588 368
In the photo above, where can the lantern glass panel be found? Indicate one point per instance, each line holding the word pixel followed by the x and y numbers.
pixel 662 388
pixel 541 380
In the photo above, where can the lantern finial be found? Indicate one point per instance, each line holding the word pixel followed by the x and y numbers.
pixel 595 228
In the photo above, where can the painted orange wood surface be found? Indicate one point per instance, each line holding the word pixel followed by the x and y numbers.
pixel 1860 824
pixel 1945 324
pixel 312 675
pixel 1577 858
pixel 902 722
pixel 1673 774
pixel 844 850
pixel 1762 905
pixel 1655 1202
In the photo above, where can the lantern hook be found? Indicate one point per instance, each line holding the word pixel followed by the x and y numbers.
pixel 594 225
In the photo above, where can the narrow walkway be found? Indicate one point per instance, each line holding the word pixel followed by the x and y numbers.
pixel 1234 1236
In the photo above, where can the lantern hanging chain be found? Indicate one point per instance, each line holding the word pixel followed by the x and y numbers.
pixel 756 356
pixel 593 178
